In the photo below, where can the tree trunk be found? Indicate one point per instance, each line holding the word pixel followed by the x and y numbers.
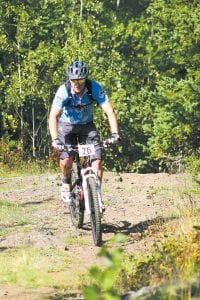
pixel 33 130
pixel 21 108
pixel 81 14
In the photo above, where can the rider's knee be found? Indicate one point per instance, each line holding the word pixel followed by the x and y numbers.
pixel 97 163
pixel 67 162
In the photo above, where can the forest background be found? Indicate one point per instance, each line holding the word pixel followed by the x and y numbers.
pixel 144 53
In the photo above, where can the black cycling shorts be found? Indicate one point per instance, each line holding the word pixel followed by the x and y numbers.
pixel 71 134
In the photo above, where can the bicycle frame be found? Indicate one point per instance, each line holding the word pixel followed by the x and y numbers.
pixel 86 189
pixel 87 173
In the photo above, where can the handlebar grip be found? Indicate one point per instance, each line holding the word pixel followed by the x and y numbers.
pixel 61 147
pixel 106 143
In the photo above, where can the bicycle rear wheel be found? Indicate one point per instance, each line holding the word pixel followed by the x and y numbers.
pixel 95 216
pixel 76 207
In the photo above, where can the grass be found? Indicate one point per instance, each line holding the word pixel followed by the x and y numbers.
pixel 30 267
pixel 176 250
pixel 11 214
pixel 13 186
pixel 158 190
pixel 34 267
pixel 34 168
pixel 172 262
pixel 77 240
pixel 169 271
pixel 22 183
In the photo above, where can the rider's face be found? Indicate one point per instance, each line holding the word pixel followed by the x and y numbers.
pixel 78 85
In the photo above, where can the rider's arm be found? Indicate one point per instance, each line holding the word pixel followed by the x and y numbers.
pixel 107 107
pixel 53 122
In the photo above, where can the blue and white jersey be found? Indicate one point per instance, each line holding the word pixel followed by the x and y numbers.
pixel 72 115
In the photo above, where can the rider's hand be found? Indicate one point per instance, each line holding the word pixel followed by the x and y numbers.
pixel 113 139
pixel 57 144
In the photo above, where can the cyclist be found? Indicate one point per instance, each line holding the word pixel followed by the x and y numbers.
pixel 71 117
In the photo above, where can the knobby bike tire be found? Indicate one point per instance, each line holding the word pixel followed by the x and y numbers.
pixel 76 207
pixel 95 216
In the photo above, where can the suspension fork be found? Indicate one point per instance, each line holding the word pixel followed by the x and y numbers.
pixel 86 173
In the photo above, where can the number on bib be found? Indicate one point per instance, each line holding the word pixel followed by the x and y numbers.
pixel 86 150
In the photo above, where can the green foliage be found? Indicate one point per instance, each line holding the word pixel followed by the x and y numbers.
pixel 105 279
pixel 193 165
pixel 173 260
pixel 174 120
pixel 145 54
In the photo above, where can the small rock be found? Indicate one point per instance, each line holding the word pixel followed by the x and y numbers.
pixel 119 179
pixel 49 233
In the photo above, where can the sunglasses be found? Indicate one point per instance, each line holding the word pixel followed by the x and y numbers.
pixel 80 81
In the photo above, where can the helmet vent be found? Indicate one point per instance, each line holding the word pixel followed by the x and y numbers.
pixel 77 70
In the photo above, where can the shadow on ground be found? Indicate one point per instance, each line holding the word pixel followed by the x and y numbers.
pixel 127 228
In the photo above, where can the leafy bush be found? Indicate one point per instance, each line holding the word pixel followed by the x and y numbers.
pixel 173 261
pixel 104 280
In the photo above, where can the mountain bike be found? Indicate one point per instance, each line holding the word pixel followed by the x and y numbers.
pixel 86 189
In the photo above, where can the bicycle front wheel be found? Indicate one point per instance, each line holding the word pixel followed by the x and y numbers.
pixel 76 207
pixel 95 216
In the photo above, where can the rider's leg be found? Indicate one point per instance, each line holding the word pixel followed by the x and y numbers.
pixel 66 136
pixel 65 166
pixel 97 164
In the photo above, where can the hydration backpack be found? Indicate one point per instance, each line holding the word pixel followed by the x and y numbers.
pixel 79 106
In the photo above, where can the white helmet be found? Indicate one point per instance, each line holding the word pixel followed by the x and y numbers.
pixel 77 70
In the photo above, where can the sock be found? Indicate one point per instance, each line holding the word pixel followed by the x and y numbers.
pixel 66 180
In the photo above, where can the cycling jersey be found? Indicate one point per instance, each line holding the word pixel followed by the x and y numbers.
pixel 78 110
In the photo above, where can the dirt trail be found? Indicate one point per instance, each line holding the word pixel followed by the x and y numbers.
pixel 134 203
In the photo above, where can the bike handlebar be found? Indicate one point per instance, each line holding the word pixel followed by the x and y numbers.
pixel 74 148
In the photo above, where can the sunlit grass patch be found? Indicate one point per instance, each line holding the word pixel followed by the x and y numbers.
pixel 185 205
pixel 159 190
pixel 105 189
pixel 25 183
pixel 132 190
pixel 11 214
pixel 169 271
pixel 175 254
pixel 77 240
pixel 34 168
pixel 107 202
pixel 34 267
pixel 15 184
pixel 196 191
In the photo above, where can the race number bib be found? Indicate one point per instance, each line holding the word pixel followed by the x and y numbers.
pixel 86 150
